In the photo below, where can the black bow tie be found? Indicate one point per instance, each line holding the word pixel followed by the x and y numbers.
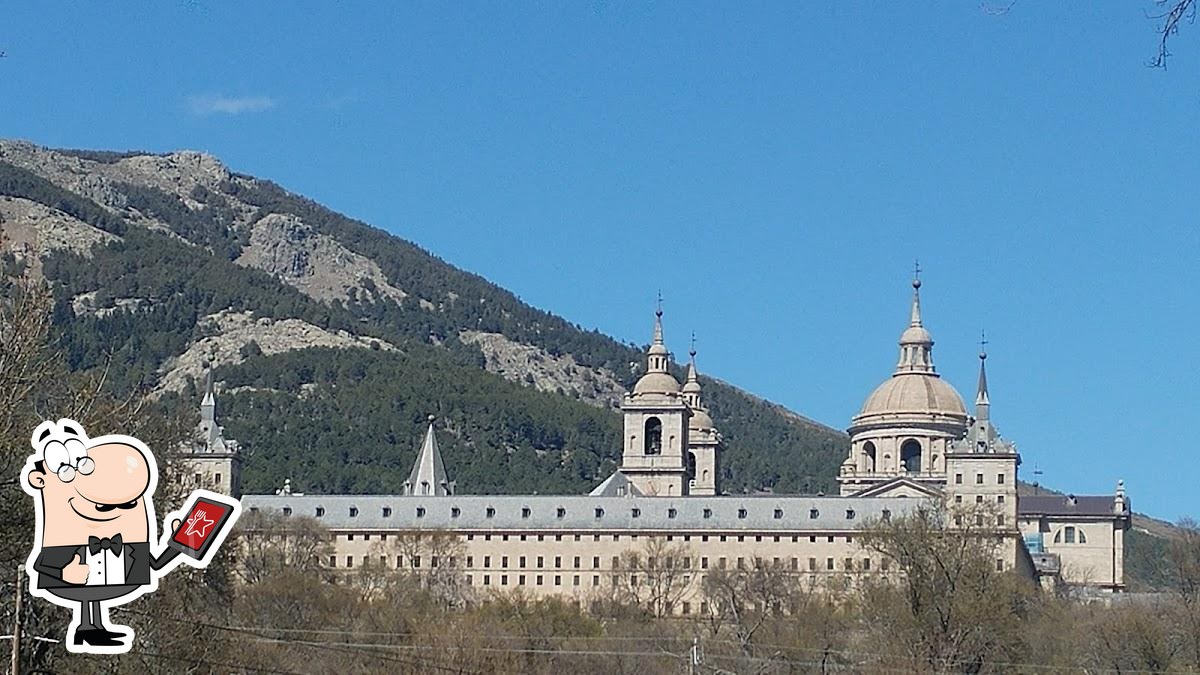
pixel 95 545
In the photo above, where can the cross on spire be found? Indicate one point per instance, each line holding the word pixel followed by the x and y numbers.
pixel 658 305
pixel 692 351
pixel 917 273
pixel 983 343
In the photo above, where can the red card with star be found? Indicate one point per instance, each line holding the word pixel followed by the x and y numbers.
pixel 200 527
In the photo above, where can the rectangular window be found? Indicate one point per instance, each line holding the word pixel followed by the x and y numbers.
pixel 539 580
pixel 416 561
pixel 333 561
pixel 521 580
pixel 576 580
pixel 812 564
pixel 503 579
pixel 540 562
pixel 399 561
pixel 487 580
pixel 521 560
pixel 470 561
pixel 866 564
pixel 849 564
pixel 504 561
pixel 999 565
pixel 349 561
pixel 576 562
pixel 1000 499
pixel 958 479
pixel 1000 520
pixel 829 563
pixel 596 562
pixel 721 563
pixel 704 562
pixel 487 561
pixel 795 564
pixel 957 499
pixel 557 580
pixel 979 479
pixel 1000 479
pixel 557 561
pixel 884 564
pixel 433 561
pixel 616 563
pixel 595 579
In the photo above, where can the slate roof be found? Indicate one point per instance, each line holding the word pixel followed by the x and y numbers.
pixel 573 513
pixel 1062 505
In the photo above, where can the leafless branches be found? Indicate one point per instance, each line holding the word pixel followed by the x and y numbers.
pixel 1176 12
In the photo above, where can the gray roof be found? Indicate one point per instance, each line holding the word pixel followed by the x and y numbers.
pixel 542 512
pixel 429 472
pixel 616 485
pixel 1065 505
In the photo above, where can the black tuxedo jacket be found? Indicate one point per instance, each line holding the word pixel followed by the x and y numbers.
pixel 52 559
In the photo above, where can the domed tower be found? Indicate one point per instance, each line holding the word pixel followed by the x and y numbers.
pixel 907 424
pixel 656 425
pixel 704 441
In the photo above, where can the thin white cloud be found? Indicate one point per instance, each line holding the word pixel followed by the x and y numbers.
pixel 229 105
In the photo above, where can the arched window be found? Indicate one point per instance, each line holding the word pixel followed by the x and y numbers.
pixel 910 456
pixel 653 444
pixel 1069 535
pixel 868 456
pixel 691 465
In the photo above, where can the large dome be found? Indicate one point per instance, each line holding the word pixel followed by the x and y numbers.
pixel 914 393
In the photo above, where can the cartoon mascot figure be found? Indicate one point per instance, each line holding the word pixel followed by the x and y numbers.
pixel 96 543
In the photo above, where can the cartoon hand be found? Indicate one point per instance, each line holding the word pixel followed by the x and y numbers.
pixel 175 524
pixel 75 573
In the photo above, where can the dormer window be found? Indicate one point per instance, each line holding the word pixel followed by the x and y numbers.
pixel 420 511
pixel 671 513
pixel 778 514
pixel 353 511
pixel 849 514
pixel 814 513
pixel 387 512
pixel 320 511
pixel 525 511
pixel 708 513
pixel 636 512
pixel 561 512
pixel 287 510
pixel 741 513
pixel 455 512
pixel 490 512
pixel 599 512
pixel 887 515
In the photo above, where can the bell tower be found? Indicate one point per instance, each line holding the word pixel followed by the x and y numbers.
pixel 654 454
pixel 704 441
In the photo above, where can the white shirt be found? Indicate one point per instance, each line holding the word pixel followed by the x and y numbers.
pixel 104 568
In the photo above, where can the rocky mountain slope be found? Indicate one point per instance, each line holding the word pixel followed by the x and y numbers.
pixel 341 335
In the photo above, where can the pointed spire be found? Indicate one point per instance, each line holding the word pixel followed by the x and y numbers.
pixel 428 477
pixel 658 349
pixel 691 387
pixel 982 402
pixel 208 407
pixel 916 344
pixel 915 320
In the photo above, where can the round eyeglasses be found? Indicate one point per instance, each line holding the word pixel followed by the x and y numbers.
pixel 85 466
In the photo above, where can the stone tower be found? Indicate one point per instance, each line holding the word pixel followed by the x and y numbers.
pixel 212 461
pixel 704 441
pixel 656 426
pixel 906 425
pixel 981 474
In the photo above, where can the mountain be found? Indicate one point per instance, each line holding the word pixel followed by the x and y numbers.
pixel 330 340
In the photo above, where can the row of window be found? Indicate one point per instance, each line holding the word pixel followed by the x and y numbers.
pixel 958 479
pixel 1000 520
pixel 415 562
pixel 958 499
pixel 561 512
pixel 382 536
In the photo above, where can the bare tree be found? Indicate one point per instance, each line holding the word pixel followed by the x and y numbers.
pixel 950 609
pixel 1171 14
pixel 655 576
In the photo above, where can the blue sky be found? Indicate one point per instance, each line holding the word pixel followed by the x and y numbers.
pixel 773 168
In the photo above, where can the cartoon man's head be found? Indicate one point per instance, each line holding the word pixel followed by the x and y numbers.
pixel 89 488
